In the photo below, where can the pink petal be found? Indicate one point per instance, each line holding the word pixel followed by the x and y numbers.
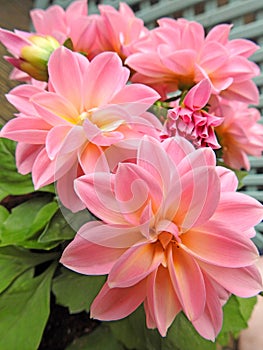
pixel 66 191
pixel 92 159
pixel 54 109
pixel 177 148
pixel 26 156
pixel 198 96
pixel 13 42
pixel 188 282
pixel 20 97
pixel 135 264
pixel 239 211
pixel 111 236
pixel 64 139
pixel 219 246
pixel 210 323
pixel 160 288
pixel 244 282
pixel 88 258
pixel 26 129
pixel 96 193
pixel 200 196
pixel 136 98
pixel 76 9
pixel 116 303
pixel 228 179
pixel 134 187
pixel 65 75
pixel 104 77
pixel 180 62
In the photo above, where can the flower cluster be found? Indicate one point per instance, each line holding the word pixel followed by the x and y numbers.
pixel 170 222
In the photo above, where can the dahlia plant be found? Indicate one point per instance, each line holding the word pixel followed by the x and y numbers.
pixel 135 140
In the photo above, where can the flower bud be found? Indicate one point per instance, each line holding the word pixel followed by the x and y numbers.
pixel 34 57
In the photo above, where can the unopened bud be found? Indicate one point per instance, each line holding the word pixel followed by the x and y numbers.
pixel 34 58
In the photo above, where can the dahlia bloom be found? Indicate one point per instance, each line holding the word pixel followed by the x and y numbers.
pixel 190 119
pixel 240 134
pixel 177 55
pixel 73 23
pixel 119 30
pixel 87 107
pixel 53 27
pixel 173 229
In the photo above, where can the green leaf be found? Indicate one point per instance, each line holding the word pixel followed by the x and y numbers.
pixel 14 261
pixel 4 213
pixel 183 335
pixel 236 314
pixel 24 310
pixel 11 182
pixel 76 291
pixel 132 332
pixel 57 230
pixel 100 338
pixel 26 220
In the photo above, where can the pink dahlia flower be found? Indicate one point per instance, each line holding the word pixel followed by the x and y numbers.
pixel 53 27
pixel 177 55
pixel 119 30
pixel 88 106
pixel 173 229
pixel 191 120
pixel 240 134
pixel 73 23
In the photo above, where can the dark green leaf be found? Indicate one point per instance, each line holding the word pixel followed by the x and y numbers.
pixel 57 230
pixel 100 338
pixel 24 310
pixel 11 182
pixel 26 220
pixel 132 332
pixel 76 291
pixel 183 335
pixel 236 314
pixel 14 261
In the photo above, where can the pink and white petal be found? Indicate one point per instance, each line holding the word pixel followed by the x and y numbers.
pixel 76 9
pixel 13 42
pixel 201 157
pixel 55 109
pixel 188 282
pixel 92 159
pixel 246 91
pixel 160 288
pixel 240 211
pixel 111 236
pixel 20 97
pixel 210 323
pixel 153 158
pixel 135 264
pixel 46 171
pixel 26 155
pixel 116 303
pixel 88 258
pixel 66 192
pixel 177 148
pixel 95 191
pixel 73 140
pixel 26 129
pixel 134 187
pixel 135 98
pixel 104 77
pixel 65 75
pixel 198 96
pixel 228 179
pixel 201 192
pixel 244 282
pixel 55 139
pixel 228 249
